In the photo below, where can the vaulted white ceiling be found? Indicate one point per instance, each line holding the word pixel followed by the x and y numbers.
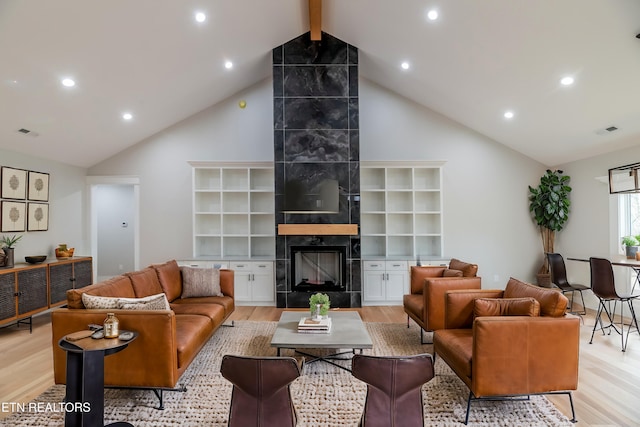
pixel 478 60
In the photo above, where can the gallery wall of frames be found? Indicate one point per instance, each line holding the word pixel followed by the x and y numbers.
pixel 24 200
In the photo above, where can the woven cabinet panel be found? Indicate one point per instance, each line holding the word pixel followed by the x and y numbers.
pixel 7 297
pixel 32 286
pixel 60 281
pixel 83 274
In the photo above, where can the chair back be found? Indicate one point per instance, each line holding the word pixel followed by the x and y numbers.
pixel 558 271
pixel 602 280
pixel 260 395
pixel 394 395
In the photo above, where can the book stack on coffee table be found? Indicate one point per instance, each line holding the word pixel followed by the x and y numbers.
pixel 308 325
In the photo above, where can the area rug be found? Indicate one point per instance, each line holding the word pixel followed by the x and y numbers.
pixel 324 395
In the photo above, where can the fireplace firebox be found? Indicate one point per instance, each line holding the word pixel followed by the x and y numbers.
pixel 318 268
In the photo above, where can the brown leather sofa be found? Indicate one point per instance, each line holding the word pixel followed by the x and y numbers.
pixel 168 340
pixel 524 344
pixel 425 303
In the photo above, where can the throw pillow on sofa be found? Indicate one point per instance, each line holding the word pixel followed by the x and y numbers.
pixel 506 307
pixel 97 302
pixel 152 302
pixel 200 282
pixel 468 270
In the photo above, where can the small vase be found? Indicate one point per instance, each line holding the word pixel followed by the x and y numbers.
pixel 315 312
pixel 8 257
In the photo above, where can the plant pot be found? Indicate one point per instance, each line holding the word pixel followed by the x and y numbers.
pixel 544 280
pixel 631 251
pixel 8 259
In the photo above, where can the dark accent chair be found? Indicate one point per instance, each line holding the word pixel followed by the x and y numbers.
pixel 394 389
pixel 604 287
pixel 261 396
pixel 559 278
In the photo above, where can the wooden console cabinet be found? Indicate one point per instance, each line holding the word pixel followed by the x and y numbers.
pixel 28 289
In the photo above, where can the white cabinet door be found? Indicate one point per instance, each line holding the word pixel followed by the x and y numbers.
pixel 374 286
pixel 262 282
pixel 385 282
pixel 254 282
pixel 242 280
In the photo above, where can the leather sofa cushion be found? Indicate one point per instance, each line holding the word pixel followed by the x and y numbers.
pixel 145 282
pixel 192 332
pixel 227 303
pixel 414 303
pixel 215 312
pixel 418 274
pixel 119 286
pixel 552 302
pixel 506 307
pixel 468 270
pixel 451 273
pixel 170 279
pixel 456 348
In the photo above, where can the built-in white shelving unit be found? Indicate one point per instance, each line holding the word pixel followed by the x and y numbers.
pixel 233 210
pixel 401 209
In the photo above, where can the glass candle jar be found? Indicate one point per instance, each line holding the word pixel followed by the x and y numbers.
pixel 111 326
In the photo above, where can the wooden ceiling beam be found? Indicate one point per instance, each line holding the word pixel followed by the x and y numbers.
pixel 315 19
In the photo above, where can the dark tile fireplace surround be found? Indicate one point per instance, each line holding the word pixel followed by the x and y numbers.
pixel 316 137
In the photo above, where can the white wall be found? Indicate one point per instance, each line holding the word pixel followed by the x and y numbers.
pixel 591 230
pixel 485 184
pixel 223 132
pixel 486 211
pixel 66 207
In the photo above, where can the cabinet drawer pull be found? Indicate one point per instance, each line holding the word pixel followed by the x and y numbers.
pixel 240 265
pixel 396 265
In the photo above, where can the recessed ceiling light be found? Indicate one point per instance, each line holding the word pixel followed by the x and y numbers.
pixel 567 81
pixel 508 114
pixel 405 65
pixel 200 17
pixel 228 65
pixel 432 15
pixel 68 82
pixel 127 116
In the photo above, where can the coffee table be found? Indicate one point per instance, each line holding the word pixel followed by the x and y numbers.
pixel 347 331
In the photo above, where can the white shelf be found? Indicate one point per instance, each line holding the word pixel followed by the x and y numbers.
pixel 401 209
pixel 233 210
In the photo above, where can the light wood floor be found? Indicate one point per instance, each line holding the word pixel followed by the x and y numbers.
pixel 608 392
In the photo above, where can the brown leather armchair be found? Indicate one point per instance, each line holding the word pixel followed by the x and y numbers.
pixel 425 303
pixel 515 342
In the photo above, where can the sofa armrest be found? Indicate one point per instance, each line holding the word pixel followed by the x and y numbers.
pixel 150 360
pixel 227 279
pixel 434 297
pixel 458 306
pixel 524 355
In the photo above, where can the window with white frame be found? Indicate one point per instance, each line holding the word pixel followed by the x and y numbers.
pixel 629 211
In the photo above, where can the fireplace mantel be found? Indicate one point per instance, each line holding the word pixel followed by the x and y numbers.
pixel 317 229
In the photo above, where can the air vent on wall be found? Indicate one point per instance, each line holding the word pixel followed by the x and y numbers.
pixel 28 132
pixel 607 130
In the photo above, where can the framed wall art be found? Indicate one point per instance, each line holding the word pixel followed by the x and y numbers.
pixel 12 216
pixel 14 183
pixel 37 217
pixel 38 186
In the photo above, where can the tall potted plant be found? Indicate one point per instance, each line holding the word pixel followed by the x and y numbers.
pixel 549 205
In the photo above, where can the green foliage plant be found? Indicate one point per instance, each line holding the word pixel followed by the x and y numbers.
pixel 9 242
pixel 323 300
pixel 549 205
pixel 630 240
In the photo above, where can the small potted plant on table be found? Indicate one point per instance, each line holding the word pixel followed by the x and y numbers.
pixel 631 246
pixel 319 305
